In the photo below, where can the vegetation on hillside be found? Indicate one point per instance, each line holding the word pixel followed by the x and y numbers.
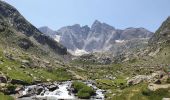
pixel 83 91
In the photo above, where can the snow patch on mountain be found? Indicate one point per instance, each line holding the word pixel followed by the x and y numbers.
pixel 57 38
pixel 78 52
pixel 119 41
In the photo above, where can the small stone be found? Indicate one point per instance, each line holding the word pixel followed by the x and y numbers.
pixel 48 80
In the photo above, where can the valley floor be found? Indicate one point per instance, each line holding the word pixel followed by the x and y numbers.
pixel 113 78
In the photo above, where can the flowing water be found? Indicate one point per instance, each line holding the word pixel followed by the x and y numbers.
pixel 62 92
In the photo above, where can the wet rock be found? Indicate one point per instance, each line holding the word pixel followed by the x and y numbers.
pixel 39 89
pixel 52 87
pixel 19 88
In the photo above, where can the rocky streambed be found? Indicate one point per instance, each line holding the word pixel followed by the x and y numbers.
pixel 55 91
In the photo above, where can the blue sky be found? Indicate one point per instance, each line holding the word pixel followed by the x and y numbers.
pixel 118 13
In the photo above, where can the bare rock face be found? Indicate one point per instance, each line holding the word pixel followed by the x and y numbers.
pixel 137 79
pixel 154 77
pixel 95 58
pixel 98 37
pixel 73 37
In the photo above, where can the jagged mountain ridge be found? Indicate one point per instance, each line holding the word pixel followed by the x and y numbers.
pixel 27 35
pixel 98 37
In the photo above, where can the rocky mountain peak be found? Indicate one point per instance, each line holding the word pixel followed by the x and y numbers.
pixel 98 27
pixel 96 22
pixel 100 37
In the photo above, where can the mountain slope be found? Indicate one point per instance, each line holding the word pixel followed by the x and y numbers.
pixel 17 25
pixel 159 44
pixel 162 35
pixel 26 55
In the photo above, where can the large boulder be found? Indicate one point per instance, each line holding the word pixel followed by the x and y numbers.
pixel 137 79
pixel 154 77
pixel 158 75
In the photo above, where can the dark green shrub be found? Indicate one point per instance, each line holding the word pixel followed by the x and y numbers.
pixel 83 95
pixel 168 80
pixel 156 95
pixel 146 92
pixel 87 90
pixel 78 86
pixel 83 91
pixel 11 89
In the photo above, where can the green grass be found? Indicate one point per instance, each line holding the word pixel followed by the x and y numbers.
pixel 119 81
pixel 5 97
pixel 156 95
pixel 140 92
pixel 130 93
pixel 83 91
pixel 59 74
pixel 105 83
pixel 12 69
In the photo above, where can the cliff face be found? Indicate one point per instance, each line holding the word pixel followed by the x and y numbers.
pixel 99 37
